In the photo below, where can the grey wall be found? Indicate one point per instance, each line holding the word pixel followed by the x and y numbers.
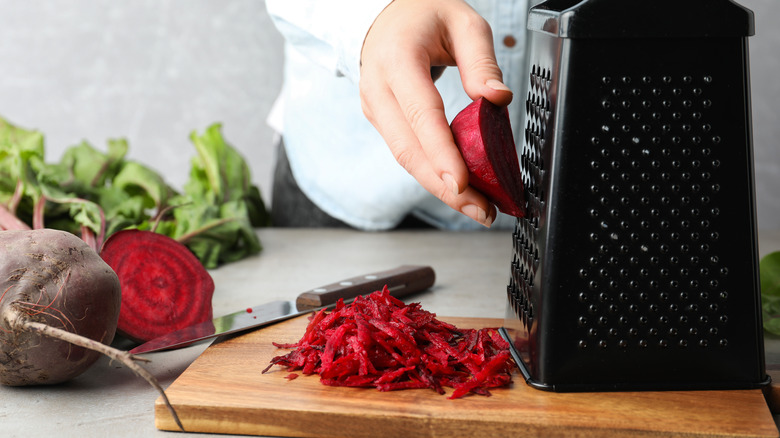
pixel 147 70
pixel 764 69
pixel 153 70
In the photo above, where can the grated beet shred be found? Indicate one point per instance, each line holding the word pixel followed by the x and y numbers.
pixel 378 341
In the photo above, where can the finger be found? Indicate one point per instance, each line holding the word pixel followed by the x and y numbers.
pixel 381 109
pixel 385 113
pixel 422 108
pixel 473 52
pixel 407 150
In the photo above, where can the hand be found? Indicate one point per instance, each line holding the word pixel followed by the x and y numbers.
pixel 407 40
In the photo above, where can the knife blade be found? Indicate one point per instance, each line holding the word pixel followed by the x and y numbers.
pixel 400 281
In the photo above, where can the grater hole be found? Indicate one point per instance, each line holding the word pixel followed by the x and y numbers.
pixel 538 107
pixel 654 163
pixel 654 204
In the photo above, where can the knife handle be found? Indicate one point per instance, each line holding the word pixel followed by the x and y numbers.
pixel 401 281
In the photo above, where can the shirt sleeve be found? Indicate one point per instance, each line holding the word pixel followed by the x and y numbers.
pixel 328 32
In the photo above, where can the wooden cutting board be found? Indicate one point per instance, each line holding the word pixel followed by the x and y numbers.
pixel 772 393
pixel 223 391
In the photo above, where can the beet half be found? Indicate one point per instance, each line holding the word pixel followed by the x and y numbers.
pixel 483 133
pixel 164 286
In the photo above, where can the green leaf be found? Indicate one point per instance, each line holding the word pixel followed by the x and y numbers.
pixel 122 209
pixel 218 168
pixel 90 168
pixel 21 156
pixel 87 214
pixel 139 180
pixel 82 212
pixel 206 175
pixel 219 207
pixel 18 142
pixel 770 291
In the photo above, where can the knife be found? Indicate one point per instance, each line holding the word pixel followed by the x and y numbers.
pixel 401 281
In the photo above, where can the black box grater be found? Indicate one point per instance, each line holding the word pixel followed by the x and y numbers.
pixel 636 267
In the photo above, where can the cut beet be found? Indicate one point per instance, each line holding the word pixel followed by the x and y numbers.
pixel 164 286
pixel 483 134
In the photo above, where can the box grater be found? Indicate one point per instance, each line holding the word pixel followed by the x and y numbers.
pixel 636 267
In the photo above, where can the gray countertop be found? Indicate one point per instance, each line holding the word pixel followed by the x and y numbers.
pixel 108 400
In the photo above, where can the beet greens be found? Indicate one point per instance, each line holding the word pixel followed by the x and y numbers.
pixel 95 193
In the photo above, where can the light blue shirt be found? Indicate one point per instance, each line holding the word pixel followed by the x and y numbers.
pixel 337 157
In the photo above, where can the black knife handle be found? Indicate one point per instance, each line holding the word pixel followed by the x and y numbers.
pixel 401 281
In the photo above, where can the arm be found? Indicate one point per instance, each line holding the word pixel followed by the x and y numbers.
pixel 330 33
pixel 399 98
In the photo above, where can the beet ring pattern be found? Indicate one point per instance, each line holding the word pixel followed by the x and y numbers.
pixel 164 286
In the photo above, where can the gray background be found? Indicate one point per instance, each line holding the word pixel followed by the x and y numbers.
pixel 154 70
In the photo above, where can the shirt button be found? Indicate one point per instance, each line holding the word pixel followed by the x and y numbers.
pixel 510 41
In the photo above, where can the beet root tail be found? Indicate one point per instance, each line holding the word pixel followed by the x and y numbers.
pixel 115 354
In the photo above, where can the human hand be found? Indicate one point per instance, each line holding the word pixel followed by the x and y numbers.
pixel 399 98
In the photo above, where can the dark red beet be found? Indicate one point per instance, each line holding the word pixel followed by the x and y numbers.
pixel 164 286
pixel 52 277
pixel 483 134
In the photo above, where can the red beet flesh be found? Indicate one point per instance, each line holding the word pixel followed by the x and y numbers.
pixel 164 286
pixel 378 341
pixel 483 134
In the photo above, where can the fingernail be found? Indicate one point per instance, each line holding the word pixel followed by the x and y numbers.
pixel 477 214
pixel 449 180
pixel 497 85
pixel 488 222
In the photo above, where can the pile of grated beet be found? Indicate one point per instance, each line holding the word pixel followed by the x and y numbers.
pixel 378 341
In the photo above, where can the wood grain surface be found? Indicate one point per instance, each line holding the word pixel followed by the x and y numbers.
pixel 223 391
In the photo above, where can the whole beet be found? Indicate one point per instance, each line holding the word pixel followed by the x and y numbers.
pixel 54 278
